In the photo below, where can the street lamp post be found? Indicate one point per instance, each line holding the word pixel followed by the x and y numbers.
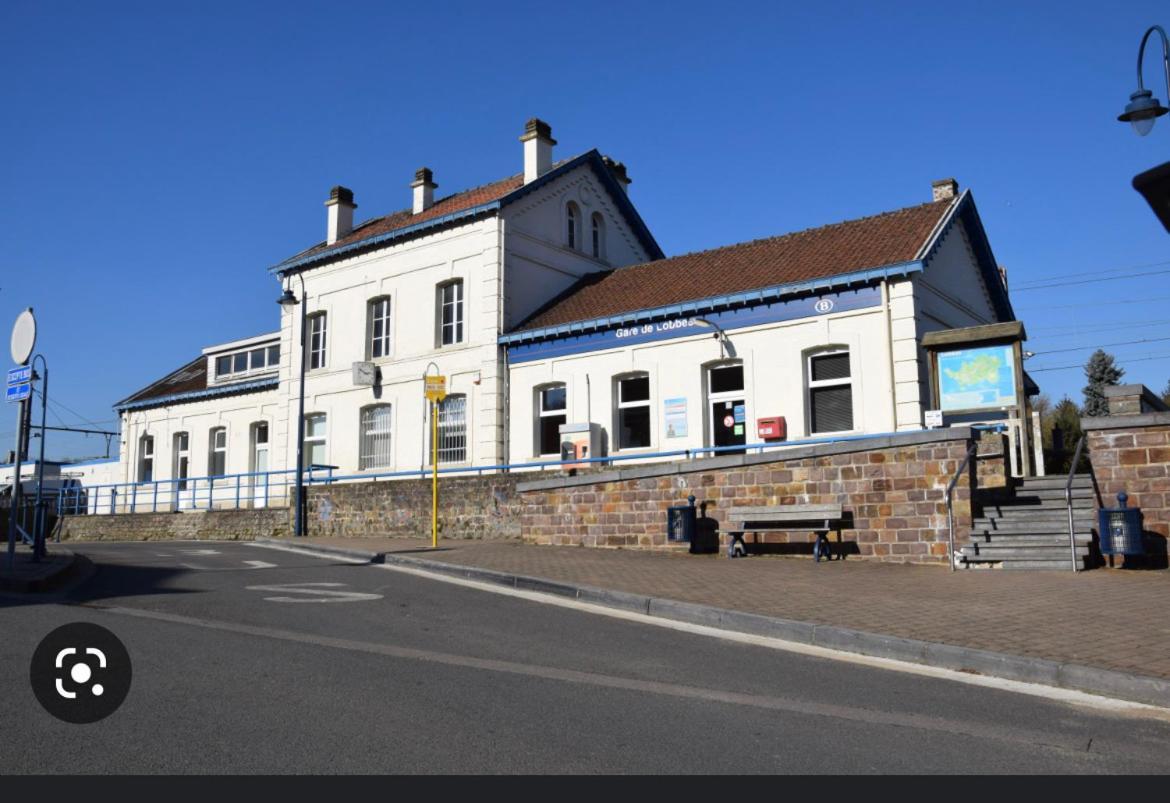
pixel 1143 108
pixel 39 518
pixel 286 300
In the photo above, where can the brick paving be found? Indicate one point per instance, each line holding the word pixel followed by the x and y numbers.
pixel 1112 619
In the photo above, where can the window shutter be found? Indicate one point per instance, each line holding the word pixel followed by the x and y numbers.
pixel 832 409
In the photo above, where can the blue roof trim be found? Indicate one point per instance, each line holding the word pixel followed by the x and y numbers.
pixel 396 234
pixel 592 158
pixel 712 303
pixel 965 211
pixel 193 395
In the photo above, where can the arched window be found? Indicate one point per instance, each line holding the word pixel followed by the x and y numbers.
pixel 572 225
pixel 551 406
pixel 632 413
pixel 452 429
pixel 376 425
pixel 378 327
pixel 598 236
pixel 830 391
pixel 449 313
pixel 217 452
pixel 314 453
pixel 146 458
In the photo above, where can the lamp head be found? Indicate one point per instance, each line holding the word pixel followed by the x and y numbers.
pixel 287 299
pixel 1141 111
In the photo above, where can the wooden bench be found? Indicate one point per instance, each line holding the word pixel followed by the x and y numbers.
pixel 781 518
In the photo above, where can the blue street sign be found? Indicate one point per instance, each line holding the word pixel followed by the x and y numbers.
pixel 16 393
pixel 20 376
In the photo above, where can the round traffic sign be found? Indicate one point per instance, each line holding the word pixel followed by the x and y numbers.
pixel 24 337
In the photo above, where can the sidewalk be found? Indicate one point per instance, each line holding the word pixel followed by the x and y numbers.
pixel 1058 622
pixel 28 575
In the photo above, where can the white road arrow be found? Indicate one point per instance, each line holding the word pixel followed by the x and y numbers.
pixel 314 592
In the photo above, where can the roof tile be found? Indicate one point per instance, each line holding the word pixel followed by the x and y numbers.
pixel 853 245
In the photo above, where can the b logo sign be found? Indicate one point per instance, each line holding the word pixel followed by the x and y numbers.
pixel 80 673
pixel 824 305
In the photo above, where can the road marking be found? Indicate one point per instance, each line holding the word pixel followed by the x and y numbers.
pixel 1067 743
pixel 259 564
pixel 201 552
pixel 314 592
pixel 1070 696
pixel 312 553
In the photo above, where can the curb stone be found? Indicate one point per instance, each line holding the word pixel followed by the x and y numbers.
pixel 1092 680
pixel 45 582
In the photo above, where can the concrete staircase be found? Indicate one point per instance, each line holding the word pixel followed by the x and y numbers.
pixel 1027 528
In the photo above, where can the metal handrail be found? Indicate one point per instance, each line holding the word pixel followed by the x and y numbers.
pixel 1072 471
pixel 949 499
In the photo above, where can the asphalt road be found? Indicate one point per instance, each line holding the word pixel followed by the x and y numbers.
pixel 240 666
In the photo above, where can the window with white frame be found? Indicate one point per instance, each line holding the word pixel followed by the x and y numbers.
pixel 146 458
pixel 449 298
pixel 551 405
pixel 598 236
pixel 830 392
pixel 217 452
pixel 376 425
pixel 379 328
pixel 633 411
pixel 248 361
pixel 314 451
pixel 317 329
pixel 181 467
pixel 572 225
pixel 452 430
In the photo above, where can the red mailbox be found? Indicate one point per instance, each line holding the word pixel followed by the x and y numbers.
pixel 773 428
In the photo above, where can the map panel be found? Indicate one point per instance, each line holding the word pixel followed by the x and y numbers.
pixel 981 378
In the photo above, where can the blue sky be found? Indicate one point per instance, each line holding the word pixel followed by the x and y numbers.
pixel 160 156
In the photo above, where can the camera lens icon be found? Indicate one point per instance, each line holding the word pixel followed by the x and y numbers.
pixel 80 672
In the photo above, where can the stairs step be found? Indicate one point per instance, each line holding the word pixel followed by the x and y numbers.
pixel 1056 481
pixel 996 526
pixel 1027 538
pixel 1026 495
pixel 1043 551
pixel 1064 565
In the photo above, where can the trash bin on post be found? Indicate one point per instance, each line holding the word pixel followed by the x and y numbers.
pixel 1120 529
pixel 680 522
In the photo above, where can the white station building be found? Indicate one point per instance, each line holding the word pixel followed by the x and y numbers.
pixel 546 302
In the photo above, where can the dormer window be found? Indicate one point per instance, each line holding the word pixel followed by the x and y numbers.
pixel 248 361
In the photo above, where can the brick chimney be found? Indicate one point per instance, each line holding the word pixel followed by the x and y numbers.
pixel 538 145
pixel 618 171
pixel 944 189
pixel 424 189
pixel 340 219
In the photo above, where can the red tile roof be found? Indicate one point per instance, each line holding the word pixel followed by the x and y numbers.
pixel 459 202
pixel 854 245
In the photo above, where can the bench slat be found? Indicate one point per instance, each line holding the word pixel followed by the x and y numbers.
pixel 786 513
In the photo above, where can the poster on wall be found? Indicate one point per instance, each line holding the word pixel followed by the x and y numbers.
pixel 675 416
pixel 982 378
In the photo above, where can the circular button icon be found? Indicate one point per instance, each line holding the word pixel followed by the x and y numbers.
pixel 80 673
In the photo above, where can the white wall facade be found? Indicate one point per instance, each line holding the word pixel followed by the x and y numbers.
pixel 775 361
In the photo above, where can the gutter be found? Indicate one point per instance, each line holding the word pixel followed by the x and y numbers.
pixel 193 395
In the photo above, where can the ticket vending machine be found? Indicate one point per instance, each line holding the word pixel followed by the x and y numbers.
pixel 580 442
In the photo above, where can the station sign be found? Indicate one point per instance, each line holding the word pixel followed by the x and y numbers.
pixel 15 393
pixel 435 388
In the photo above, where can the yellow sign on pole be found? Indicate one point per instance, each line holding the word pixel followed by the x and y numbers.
pixel 435 388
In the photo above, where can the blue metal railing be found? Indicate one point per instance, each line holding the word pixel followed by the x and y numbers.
pixel 259 489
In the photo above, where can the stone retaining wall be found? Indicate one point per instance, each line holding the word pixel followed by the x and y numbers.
pixel 891 489
pixel 469 507
pixel 1131 453
pixel 211 525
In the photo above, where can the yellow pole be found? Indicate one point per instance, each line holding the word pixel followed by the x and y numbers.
pixel 434 474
